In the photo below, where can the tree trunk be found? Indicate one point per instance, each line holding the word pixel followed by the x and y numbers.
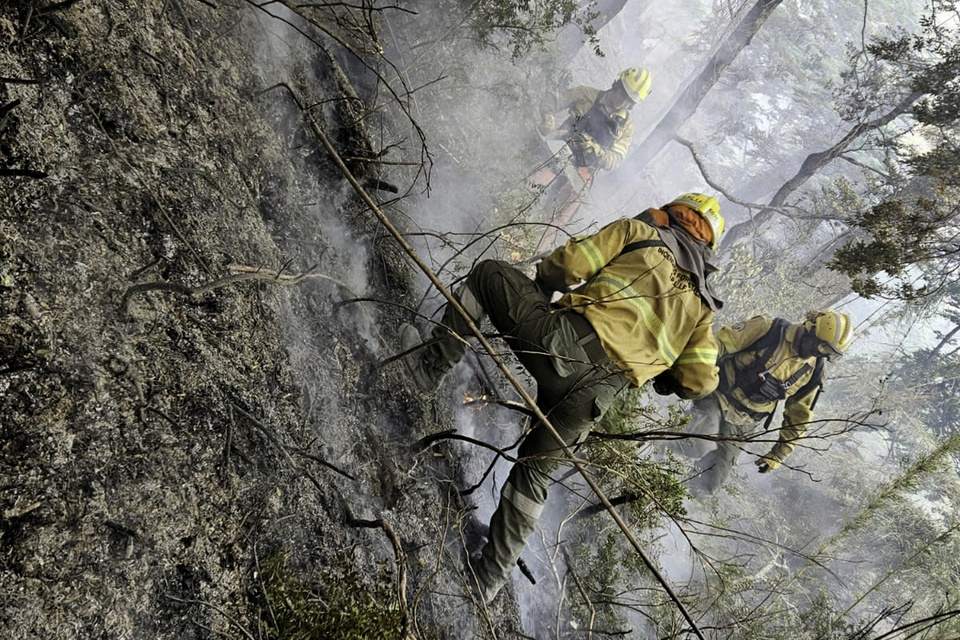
pixel 812 164
pixel 685 103
pixel 571 39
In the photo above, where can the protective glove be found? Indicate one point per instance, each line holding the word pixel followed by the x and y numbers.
pixel 664 384
pixel 767 463
pixel 589 151
pixel 548 124
pixel 545 289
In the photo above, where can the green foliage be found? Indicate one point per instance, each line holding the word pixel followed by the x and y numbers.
pixel 899 237
pixel 340 605
pixel 610 571
pixel 910 235
pixel 530 24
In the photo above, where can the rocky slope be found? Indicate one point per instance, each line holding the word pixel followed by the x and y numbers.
pixel 179 412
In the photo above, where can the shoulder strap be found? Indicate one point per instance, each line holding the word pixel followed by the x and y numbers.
pixel 765 344
pixel 816 380
pixel 772 339
pixel 645 218
pixel 799 373
pixel 642 244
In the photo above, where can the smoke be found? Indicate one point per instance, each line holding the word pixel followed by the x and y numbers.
pixel 475 109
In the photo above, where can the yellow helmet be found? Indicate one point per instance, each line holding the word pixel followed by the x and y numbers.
pixel 833 329
pixel 709 209
pixel 636 83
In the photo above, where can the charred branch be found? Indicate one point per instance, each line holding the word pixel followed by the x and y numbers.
pixel 240 273
pixel 400 557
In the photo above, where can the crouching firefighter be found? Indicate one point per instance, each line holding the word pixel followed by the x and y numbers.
pixel 596 123
pixel 645 308
pixel 585 130
pixel 762 361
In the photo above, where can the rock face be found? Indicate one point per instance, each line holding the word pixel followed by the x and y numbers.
pixel 167 431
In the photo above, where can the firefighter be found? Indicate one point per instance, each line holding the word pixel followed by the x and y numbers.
pixel 762 361
pixel 644 310
pixel 596 123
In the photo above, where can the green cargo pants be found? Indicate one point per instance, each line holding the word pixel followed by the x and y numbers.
pixel 576 383
pixel 715 459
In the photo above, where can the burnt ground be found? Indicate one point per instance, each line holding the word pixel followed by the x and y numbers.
pixel 160 444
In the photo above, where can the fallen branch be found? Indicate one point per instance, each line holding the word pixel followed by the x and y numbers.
pixel 454 304
pixel 285 450
pixel 56 6
pixel 401 561
pixel 319 460
pixel 240 273
pixel 7 80
pixel 451 434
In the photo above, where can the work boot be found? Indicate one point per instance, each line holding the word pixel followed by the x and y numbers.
pixel 480 588
pixel 417 369
pixel 474 535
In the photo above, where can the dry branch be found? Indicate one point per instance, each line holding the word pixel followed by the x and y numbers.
pixel 475 331
pixel 239 273
pixel 285 450
pixel 451 434
pixel 401 561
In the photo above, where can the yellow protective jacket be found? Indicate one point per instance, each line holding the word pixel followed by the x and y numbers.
pixel 644 308
pixel 783 364
pixel 574 104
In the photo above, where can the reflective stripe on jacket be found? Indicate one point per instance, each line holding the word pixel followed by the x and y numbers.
pixel 644 308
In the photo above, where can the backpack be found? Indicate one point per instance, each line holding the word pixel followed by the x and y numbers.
pixel 766 389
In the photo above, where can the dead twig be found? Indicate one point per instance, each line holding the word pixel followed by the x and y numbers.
pixel 437 565
pixel 714 184
pixel 451 434
pixel 466 492
pixel 228 444
pixel 319 460
pixel 400 558
pixel 240 273
pixel 215 608
pixel 56 6
pixel 279 445
pixel 583 594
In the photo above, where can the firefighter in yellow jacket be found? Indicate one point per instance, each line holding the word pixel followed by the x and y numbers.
pixel 762 361
pixel 596 123
pixel 636 305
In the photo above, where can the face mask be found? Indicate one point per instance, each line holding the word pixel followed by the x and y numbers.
pixel 807 345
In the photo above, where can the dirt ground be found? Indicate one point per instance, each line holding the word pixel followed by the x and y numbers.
pixel 159 442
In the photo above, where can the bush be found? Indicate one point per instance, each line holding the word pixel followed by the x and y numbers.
pixel 339 606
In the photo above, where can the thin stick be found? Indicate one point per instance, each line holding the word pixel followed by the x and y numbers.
pixel 215 608
pixel 401 561
pixel 240 273
pixel 455 304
